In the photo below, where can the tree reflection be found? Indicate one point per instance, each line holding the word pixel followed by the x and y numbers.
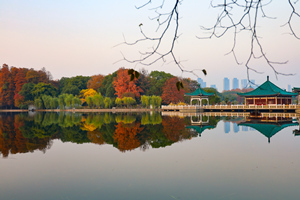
pixel 13 140
pixel 125 136
pixel 20 133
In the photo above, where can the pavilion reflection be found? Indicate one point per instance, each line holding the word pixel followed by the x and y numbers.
pixel 201 122
pixel 268 125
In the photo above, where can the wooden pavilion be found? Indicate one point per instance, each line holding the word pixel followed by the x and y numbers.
pixel 268 94
pixel 199 95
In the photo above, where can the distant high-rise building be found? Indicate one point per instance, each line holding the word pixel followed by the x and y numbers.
pixel 244 128
pixel 201 82
pixel 235 83
pixel 214 86
pixel 226 127
pixel 236 128
pixel 289 88
pixel 252 84
pixel 226 84
pixel 244 83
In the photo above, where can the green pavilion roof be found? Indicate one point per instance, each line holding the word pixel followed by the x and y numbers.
pixel 200 129
pixel 268 129
pixel 199 92
pixel 268 89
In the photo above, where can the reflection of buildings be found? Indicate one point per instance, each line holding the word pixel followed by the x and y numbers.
pixel 226 127
pixel 236 128
pixel 200 123
pixel 245 128
pixel 268 126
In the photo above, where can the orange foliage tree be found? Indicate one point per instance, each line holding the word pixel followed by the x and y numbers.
pixel 174 128
pixel 122 84
pixel 95 82
pixel 170 93
pixel 126 136
pixel 6 87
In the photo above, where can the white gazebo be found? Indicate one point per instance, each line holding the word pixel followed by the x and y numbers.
pixel 199 95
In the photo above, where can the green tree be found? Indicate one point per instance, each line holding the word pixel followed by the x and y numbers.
pixel 156 101
pixel 107 89
pixel 47 101
pixel 76 102
pixel 98 100
pixel 61 102
pixel 128 101
pixel 54 103
pixel 43 89
pixel 214 99
pixel 89 101
pixel 68 98
pixel 118 102
pixel 107 102
pixel 38 103
pixel 157 81
pixel 26 91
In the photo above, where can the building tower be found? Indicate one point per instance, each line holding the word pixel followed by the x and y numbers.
pixel 226 84
pixel 235 83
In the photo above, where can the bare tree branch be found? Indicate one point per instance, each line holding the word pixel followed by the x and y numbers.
pixel 227 21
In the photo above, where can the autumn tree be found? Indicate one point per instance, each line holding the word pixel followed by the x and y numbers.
pixel 170 93
pixel 6 87
pixel 123 84
pixel 95 82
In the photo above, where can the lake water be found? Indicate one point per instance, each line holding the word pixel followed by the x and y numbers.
pixel 147 156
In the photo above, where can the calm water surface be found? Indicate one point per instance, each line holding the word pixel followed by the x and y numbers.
pixel 146 156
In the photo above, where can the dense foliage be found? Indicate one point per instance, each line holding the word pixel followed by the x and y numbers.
pixel 21 87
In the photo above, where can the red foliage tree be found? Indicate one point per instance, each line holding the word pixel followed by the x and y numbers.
pixel 123 84
pixel 95 82
pixel 6 87
pixel 170 93
pixel 18 99
pixel 20 79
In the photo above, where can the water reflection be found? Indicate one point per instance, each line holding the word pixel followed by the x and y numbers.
pixel 268 126
pixel 21 133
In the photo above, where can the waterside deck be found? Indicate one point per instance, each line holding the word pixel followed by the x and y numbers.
pixel 292 108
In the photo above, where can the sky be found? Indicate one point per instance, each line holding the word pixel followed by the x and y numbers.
pixel 76 37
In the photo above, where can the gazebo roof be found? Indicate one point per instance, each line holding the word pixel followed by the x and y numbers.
pixel 200 129
pixel 268 89
pixel 199 92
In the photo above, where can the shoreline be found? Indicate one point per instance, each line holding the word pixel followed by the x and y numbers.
pixel 113 110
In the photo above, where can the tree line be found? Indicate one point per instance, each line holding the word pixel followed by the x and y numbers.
pixel 22 87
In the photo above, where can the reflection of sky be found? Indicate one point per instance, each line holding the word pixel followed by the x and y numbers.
pixel 215 166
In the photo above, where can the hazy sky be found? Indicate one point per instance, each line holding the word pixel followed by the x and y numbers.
pixel 76 37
